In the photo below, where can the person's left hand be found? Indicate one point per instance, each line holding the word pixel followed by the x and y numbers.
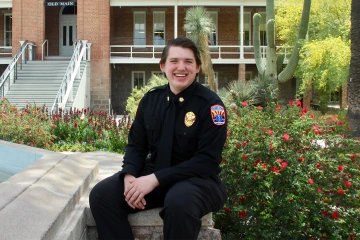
pixel 139 187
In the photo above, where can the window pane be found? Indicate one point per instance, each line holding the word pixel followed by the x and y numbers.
pixel 247 35
pixel 213 35
pixel 64 35
pixel 8 30
pixel 70 35
pixel 138 80
pixel 159 28
pixel 139 28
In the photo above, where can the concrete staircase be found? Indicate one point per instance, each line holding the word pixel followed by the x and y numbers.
pixel 38 83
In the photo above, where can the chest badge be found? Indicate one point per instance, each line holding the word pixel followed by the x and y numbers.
pixel 189 119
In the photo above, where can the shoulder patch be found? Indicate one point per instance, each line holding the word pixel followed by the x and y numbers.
pixel 218 115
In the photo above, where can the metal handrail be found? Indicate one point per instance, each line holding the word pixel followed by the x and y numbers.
pixel 12 68
pixel 42 49
pixel 73 70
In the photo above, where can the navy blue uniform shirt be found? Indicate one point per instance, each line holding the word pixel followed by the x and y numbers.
pixel 198 140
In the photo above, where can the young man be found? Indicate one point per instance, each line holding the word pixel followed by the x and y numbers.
pixel 172 157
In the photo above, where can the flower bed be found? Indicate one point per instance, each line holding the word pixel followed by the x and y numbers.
pixel 283 184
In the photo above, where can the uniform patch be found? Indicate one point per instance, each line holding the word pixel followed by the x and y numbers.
pixel 218 114
pixel 189 119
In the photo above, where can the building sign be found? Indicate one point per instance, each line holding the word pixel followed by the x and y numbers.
pixel 59 4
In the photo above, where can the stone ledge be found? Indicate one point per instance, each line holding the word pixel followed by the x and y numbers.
pixel 36 201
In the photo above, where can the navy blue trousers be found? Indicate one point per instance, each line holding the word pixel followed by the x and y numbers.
pixel 184 204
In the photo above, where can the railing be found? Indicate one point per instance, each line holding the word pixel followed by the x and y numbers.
pixel 6 50
pixel 10 74
pixel 219 52
pixel 65 91
pixel 42 49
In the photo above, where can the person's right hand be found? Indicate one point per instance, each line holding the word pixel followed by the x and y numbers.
pixel 128 180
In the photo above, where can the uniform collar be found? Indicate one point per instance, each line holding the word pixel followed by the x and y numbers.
pixel 182 97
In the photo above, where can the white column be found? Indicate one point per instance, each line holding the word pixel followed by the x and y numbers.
pixel 242 31
pixel 176 19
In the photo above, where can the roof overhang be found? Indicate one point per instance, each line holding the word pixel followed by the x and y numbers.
pixel 5 3
pixel 127 3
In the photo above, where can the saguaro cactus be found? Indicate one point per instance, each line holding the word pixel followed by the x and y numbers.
pixel 271 67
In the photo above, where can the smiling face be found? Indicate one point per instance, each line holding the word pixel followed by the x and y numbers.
pixel 180 68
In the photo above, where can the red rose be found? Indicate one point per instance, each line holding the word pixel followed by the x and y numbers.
pixel 319 190
pixel 341 192
pixel 291 102
pixel 227 209
pixel 325 213
pixel 347 184
pixel 301 158
pixel 245 103
pixel 237 145
pixel 284 164
pixel 244 157
pixel 310 181
pixel 341 168
pixel 335 215
pixel 352 156
pixel 275 170
pixel 286 137
pixel 270 132
pixel 242 214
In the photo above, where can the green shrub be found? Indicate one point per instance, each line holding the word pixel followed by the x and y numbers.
pixel 78 130
pixel 84 130
pixel 289 175
pixel 29 126
pixel 137 94
pixel 257 91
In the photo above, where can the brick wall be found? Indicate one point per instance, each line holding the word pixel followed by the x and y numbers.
pixel 94 25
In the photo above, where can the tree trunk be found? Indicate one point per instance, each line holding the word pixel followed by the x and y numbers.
pixel 353 114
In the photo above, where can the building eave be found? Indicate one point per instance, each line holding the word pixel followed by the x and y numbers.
pixel 125 3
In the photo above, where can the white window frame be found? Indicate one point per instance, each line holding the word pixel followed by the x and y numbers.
pixel 247 16
pixel 216 30
pixel 155 40
pixel 133 78
pixel 139 41
pixel 5 42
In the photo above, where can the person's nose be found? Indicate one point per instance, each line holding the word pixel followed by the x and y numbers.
pixel 181 65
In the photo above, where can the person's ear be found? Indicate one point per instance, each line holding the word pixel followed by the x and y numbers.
pixel 162 67
pixel 197 68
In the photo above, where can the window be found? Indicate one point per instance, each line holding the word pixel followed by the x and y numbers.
pixel 139 28
pixel 159 28
pixel 263 29
pixel 8 30
pixel 213 34
pixel 138 79
pixel 247 29
pixel 216 78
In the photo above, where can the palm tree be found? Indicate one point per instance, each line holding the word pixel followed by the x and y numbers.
pixel 353 113
pixel 199 25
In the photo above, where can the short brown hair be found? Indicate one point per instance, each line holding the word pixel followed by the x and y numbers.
pixel 184 43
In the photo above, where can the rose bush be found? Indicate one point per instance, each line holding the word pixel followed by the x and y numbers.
pixel 28 126
pixel 78 130
pixel 289 175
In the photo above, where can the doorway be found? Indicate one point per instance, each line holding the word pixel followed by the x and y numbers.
pixel 67 30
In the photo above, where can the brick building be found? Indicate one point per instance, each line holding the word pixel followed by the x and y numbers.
pixel 127 37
